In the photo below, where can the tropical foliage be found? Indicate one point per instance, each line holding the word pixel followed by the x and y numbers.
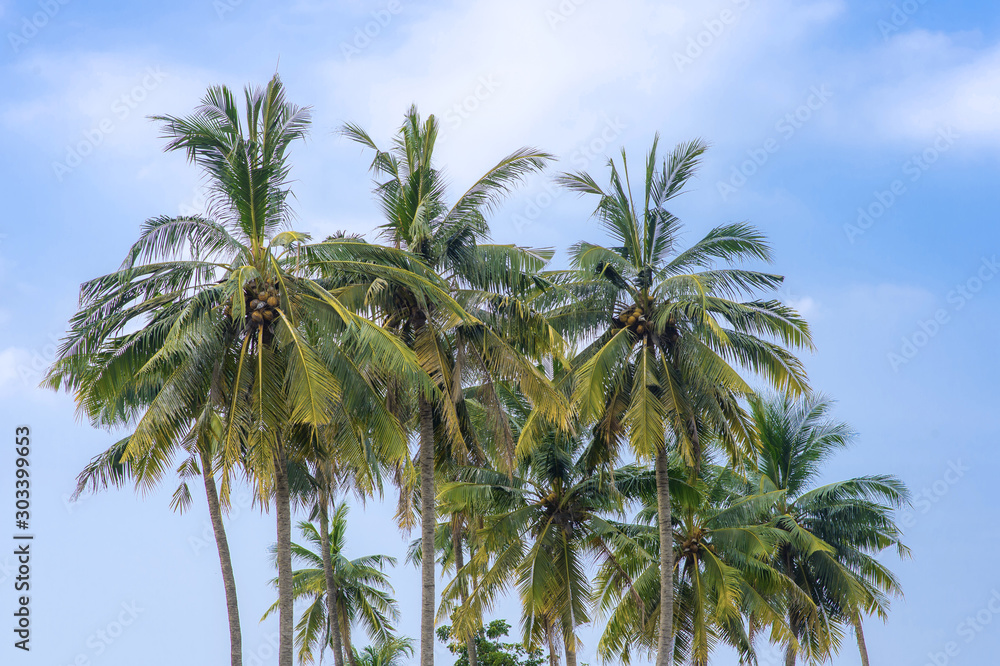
pixel 362 588
pixel 593 439
pixel 490 646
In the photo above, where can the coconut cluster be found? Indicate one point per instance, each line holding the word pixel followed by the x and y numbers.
pixel 633 318
pixel 261 306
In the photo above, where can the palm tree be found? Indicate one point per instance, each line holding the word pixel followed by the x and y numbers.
pixel 493 337
pixel 362 588
pixel 344 458
pixel 833 530
pixel 229 307
pixel 389 653
pixel 542 525
pixel 671 332
pixel 724 584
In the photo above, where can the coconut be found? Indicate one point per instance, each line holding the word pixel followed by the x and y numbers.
pixel 269 314
pixel 273 301
pixel 262 296
pixel 638 311
pixel 253 304
pixel 632 320
pixel 257 317
pixel 639 329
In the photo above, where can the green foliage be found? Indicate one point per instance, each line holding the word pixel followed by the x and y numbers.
pixel 245 349
pixel 491 650
pixel 364 593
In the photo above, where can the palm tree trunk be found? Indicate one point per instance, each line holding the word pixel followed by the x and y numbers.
pixel 331 587
pixel 790 655
pixel 348 647
pixel 428 521
pixel 665 645
pixel 862 646
pixel 570 652
pixel 228 579
pixel 553 657
pixel 456 537
pixel 282 499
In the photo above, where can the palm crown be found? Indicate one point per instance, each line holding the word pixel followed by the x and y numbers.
pixel 833 530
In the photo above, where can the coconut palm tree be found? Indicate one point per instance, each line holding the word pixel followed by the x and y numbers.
pixel 833 530
pixel 542 526
pixel 724 587
pixel 495 342
pixel 671 333
pixel 231 306
pixel 390 653
pixel 362 588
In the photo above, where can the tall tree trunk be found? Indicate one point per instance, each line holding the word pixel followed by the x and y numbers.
pixel 228 579
pixel 792 649
pixel 553 657
pixel 862 646
pixel 571 652
pixel 348 646
pixel 331 586
pixel 428 521
pixel 665 643
pixel 283 510
pixel 456 537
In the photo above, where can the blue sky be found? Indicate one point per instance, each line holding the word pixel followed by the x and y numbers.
pixel 861 136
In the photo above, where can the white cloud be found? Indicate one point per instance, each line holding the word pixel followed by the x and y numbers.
pixel 100 98
pixel 554 73
pixel 935 80
pixel 805 306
